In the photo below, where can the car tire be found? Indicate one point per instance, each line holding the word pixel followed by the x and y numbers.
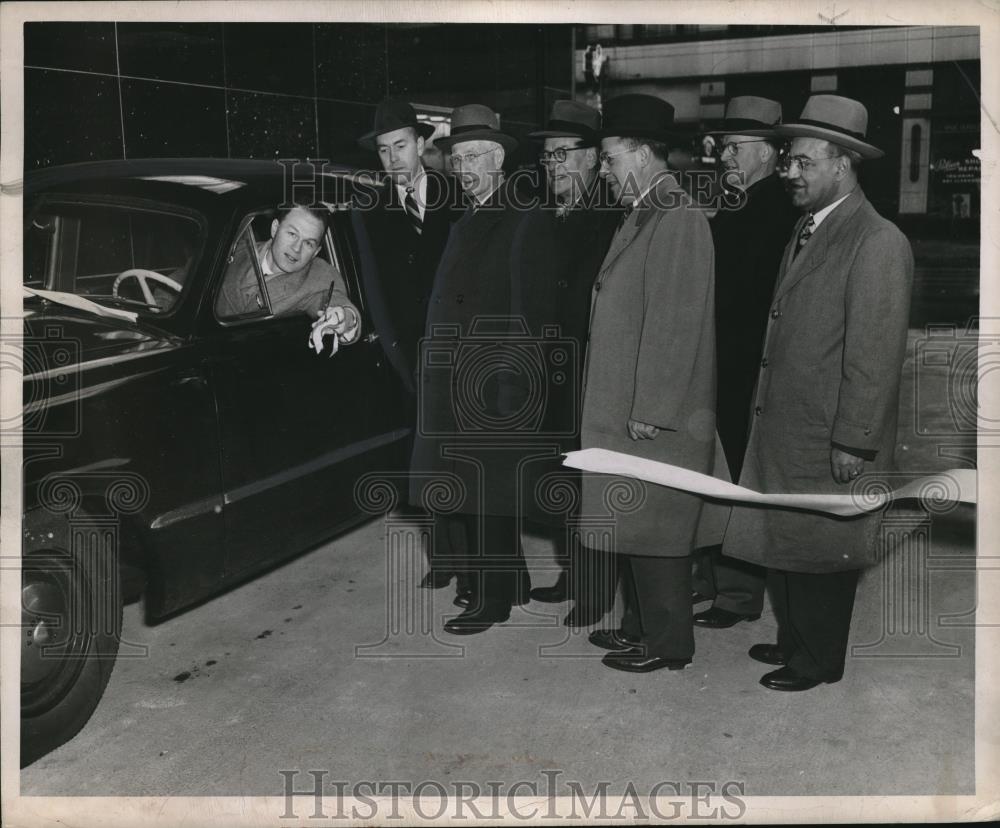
pixel 71 611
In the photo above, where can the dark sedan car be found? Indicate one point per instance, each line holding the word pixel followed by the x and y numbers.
pixel 170 453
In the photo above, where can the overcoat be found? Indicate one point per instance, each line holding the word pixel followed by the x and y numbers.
pixel 556 260
pixel 651 358
pixel 749 243
pixel 398 264
pixel 830 374
pixel 466 374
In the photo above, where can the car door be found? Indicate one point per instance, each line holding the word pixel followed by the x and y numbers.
pixel 297 429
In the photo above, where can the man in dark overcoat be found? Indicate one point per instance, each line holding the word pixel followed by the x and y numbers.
pixel 401 226
pixel 466 429
pixel 650 382
pixel 559 249
pixel 750 231
pixel 825 407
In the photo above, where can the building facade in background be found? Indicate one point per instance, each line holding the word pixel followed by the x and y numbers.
pixel 920 83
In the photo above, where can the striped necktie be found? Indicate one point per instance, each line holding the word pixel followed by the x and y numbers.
pixel 625 214
pixel 805 233
pixel 413 212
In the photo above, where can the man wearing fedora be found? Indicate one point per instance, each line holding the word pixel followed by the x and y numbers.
pixel 749 236
pixel 401 226
pixel 559 249
pixel 650 383
pixel 464 380
pixel 824 410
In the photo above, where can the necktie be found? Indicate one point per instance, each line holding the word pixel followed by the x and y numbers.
pixel 625 214
pixel 412 211
pixel 807 230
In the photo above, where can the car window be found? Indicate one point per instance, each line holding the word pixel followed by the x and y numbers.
pixel 112 254
pixel 249 293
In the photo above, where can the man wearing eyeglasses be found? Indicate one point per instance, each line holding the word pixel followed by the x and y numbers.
pixel 825 406
pixel 558 251
pixel 749 233
pixel 650 384
pixel 465 377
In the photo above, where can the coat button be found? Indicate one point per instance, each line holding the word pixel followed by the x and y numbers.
pixel 867 431
pixel 563 283
pixel 597 286
pixel 758 411
pixel 460 298
pixel 775 313
pixel 411 258
pixel 763 363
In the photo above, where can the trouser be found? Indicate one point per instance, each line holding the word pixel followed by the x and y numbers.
pixel 493 559
pixel 656 596
pixel 814 619
pixel 732 584
pixel 449 545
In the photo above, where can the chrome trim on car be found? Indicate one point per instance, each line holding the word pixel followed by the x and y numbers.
pixel 101 363
pixel 338 455
pixel 84 393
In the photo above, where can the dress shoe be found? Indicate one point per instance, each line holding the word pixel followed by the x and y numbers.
pixel 612 640
pixel 767 654
pixel 550 595
pixel 787 679
pixel 718 618
pixel 635 660
pixel 436 580
pixel 464 599
pixel 698 598
pixel 582 616
pixel 477 620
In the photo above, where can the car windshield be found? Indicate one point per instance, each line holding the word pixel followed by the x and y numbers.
pixel 115 255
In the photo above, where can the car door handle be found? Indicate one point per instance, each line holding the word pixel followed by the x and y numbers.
pixel 190 378
pixel 370 338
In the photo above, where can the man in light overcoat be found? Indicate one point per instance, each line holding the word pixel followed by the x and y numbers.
pixel 825 407
pixel 650 383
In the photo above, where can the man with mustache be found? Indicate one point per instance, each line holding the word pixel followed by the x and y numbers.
pixel 749 234
pixel 827 395
pixel 650 383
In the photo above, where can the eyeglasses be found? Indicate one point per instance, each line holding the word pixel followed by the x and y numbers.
pixel 606 157
pixel 468 158
pixel 803 162
pixel 558 154
pixel 733 147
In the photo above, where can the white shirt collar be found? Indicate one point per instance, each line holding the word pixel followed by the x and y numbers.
pixel 265 268
pixel 822 214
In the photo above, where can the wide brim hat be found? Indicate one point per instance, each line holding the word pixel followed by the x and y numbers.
pixel 571 119
pixel 391 115
pixel 639 116
pixel 841 121
pixel 752 116
pixel 475 122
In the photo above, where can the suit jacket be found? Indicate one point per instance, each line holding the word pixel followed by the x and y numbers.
pixel 749 243
pixel 398 264
pixel 651 358
pixel 310 290
pixel 833 353
pixel 465 437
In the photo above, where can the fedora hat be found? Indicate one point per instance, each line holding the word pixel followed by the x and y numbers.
pixel 841 121
pixel 750 115
pixel 391 115
pixel 475 122
pixel 638 116
pixel 571 119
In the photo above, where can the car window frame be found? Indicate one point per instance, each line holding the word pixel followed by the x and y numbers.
pixel 56 198
pixel 245 231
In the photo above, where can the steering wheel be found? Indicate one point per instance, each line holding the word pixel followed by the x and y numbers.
pixel 141 275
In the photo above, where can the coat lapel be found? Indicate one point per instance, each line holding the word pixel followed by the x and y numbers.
pixel 640 215
pixel 795 268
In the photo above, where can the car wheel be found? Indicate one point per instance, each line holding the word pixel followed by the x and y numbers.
pixel 71 619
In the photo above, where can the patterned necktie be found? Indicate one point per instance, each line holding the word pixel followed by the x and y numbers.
pixel 413 212
pixel 807 230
